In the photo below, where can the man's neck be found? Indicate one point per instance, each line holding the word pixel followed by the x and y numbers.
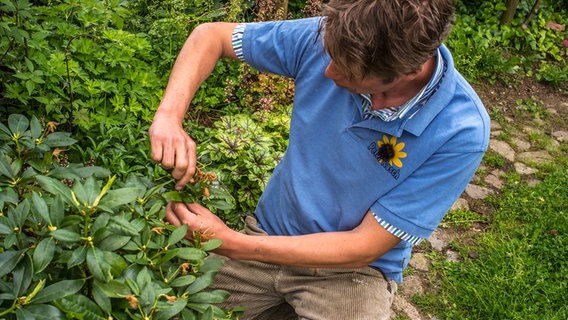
pixel 405 87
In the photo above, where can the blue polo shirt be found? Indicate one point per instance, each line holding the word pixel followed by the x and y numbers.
pixel 338 164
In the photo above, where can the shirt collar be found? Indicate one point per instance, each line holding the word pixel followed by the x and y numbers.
pixel 390 114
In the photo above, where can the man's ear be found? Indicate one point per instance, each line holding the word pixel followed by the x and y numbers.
pixel 414 74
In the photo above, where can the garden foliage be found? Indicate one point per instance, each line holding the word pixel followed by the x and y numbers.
pixel 78 243
pixel 81 203
pixel 485 50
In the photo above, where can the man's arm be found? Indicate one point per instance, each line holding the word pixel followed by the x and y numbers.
pixel 171 145
pixel 348 249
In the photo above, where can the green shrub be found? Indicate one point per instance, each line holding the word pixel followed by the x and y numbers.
pixel 552 73
pixel 485 50
pixel 244 150
pixel 75 243
pixel 81 63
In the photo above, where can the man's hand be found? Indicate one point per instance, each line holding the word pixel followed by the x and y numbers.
pixel 171 145
pixel 199 219
pixel 173 148
pixel 350 249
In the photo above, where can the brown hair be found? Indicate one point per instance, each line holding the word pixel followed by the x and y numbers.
pixel 384 38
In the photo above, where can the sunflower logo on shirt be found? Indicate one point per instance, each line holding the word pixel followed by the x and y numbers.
pixel 390 151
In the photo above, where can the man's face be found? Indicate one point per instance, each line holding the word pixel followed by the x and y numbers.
pixel 371 85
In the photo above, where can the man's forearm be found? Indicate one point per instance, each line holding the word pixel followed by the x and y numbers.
pixel 195 62
pixel 349 249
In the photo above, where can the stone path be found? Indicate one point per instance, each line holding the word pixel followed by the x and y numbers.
pixel 521 154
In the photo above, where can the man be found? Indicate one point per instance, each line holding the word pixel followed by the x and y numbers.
pixel 385 135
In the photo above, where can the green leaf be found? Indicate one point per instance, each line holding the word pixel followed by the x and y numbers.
pixel 83 191
pixel 133 286
pixel 43 254
pixel 5 228
pixel 56 187
pixel 190 254
pixel 165 256
pixel 42 312
pixel 10 240
pixel 177 235
pixel 22 314
pixel 208 314
pixel 122 226
pixel 30 85
pixel 97 264
pixel 72 220
pixel 20 214
pixel 57 211
pixel 8 195
pixel 118 197
pixel 58 290
pixel 113 242
pixel 100 222
pixel 78 306
pixel 66 235
pixel 113 288
pixel 23 275
pixel 187 314
pixel 211 244
pixel 220 204
pixel 182 281
pixel 116 262
pixel 204 281
pixel 77 257
pixel 144 278
pixel 59 139
pixel 18 123
pixel 171 311
pixel 41 207
pixel 8 6
pixel 16 166
pixel 6 168
pixel 175 196
pixel 101 298
pixel 35 128
pixel 9 260
pixel 212 264
pixel 214 296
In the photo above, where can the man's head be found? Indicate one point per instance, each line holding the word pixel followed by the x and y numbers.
pixel 384 38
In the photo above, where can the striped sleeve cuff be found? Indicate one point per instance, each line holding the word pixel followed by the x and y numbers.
pixel 237 40
pixel 405 236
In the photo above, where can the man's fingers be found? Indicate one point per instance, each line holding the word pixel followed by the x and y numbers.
pixel 157 153
pixel 171 215
pixel 196 208
pixel 176 151
pixel 180 167
pixel 186 167
pixel 187 175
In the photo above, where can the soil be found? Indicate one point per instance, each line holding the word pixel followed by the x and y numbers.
pixel 505 98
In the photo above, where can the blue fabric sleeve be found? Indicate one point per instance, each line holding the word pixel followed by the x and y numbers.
pixel 277 46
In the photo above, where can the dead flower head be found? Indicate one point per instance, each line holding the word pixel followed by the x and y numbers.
pixel 132 301
pixel 158 230
pixel 185 268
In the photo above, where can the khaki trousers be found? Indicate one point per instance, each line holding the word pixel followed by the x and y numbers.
pixel 278 292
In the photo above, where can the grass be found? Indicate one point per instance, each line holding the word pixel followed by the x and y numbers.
pixel 521 270
pixel 461 219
